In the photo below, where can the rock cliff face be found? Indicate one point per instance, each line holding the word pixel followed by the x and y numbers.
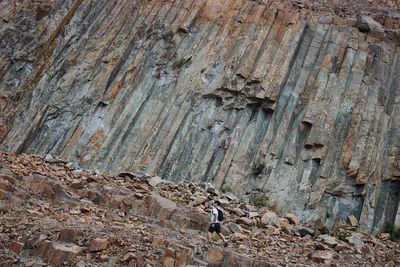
pixel 298 101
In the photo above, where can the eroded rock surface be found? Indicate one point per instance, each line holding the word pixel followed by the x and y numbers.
pixel 298 100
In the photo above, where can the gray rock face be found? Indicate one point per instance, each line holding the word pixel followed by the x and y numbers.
pixel 242 94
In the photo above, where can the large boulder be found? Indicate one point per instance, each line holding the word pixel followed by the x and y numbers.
pixel 369 25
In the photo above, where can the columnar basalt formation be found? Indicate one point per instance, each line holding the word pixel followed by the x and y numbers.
pixel 299 101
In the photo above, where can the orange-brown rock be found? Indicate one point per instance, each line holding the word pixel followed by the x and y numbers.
pixel 99 244
pixel 56 253
pixel 16 247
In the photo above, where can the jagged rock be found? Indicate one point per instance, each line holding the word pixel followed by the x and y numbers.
pixel 320 226
pixel 269 218
pixel 235 228
pixel 251 208
pixel 16 247
pixel 284 224
pixel 353 220
pixel 328 240
pixel 245 221
pixel 102 257
pixel 68 235
pixel 368 24
pixel 303 231
pixel 230 196
pixel 241 237
pixel 384 236
pixel 128 256
pixel 131 175
pixel 51 159
pixel 154 181
pixel 224 203
pixel 99 244
pixel 56 253
pixel 322 257
pixel 293 219
pixel 7 263
pixel 239 212
pixel 253 214
pixel 355 240
pixel 215 256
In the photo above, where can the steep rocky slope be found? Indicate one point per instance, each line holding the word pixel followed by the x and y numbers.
pixel 53 214
pixel 299 101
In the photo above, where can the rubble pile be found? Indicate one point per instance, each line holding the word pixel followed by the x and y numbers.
pixel 55 214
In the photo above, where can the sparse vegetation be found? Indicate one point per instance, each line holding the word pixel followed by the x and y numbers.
pixel 390 228
pixel 228 189
pixel 343 234
pixel 259 200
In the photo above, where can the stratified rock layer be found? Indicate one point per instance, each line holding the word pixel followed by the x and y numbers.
pixel 300 105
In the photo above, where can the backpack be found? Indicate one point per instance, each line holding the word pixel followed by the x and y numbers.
pixel 220 215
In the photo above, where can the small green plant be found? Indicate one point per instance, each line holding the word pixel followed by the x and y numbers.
pixel 392 230
pixel 228 189
pixel 259 200
pixel 343 234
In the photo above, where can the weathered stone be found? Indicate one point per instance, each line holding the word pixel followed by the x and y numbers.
pixel 99 244
pixel 239 212
pixel 303 231
pixel 127 174
pixel 269 218
pixel 244 221
pixel 154 181
pixel 7 263
pixel 16 247
pixel 320 226
pixel 384 236
pixel 102 257
pixel 353 221
pixel 224 203
pixel 128 256
pixel 68 235
pixel 356 241
pixel 215 256
pixel 253 214
pixel 329 240
pixel 322 257
pixel 241 237
pixel 293 219
pixel 368 24
pixel 235 228
pixel 157 206
pixel 56 253
pixel 284 224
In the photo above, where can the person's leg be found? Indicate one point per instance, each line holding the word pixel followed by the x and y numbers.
pixel 218 231
pixel 222 237
pixel 209 232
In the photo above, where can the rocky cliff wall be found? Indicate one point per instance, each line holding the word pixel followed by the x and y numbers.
pixel 291 100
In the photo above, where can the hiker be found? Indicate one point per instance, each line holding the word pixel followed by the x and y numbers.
pixel 215 223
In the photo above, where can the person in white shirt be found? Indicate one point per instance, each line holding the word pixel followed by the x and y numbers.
pixel 215 224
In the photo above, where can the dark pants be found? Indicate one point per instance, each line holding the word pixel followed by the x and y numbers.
pixel 215 227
